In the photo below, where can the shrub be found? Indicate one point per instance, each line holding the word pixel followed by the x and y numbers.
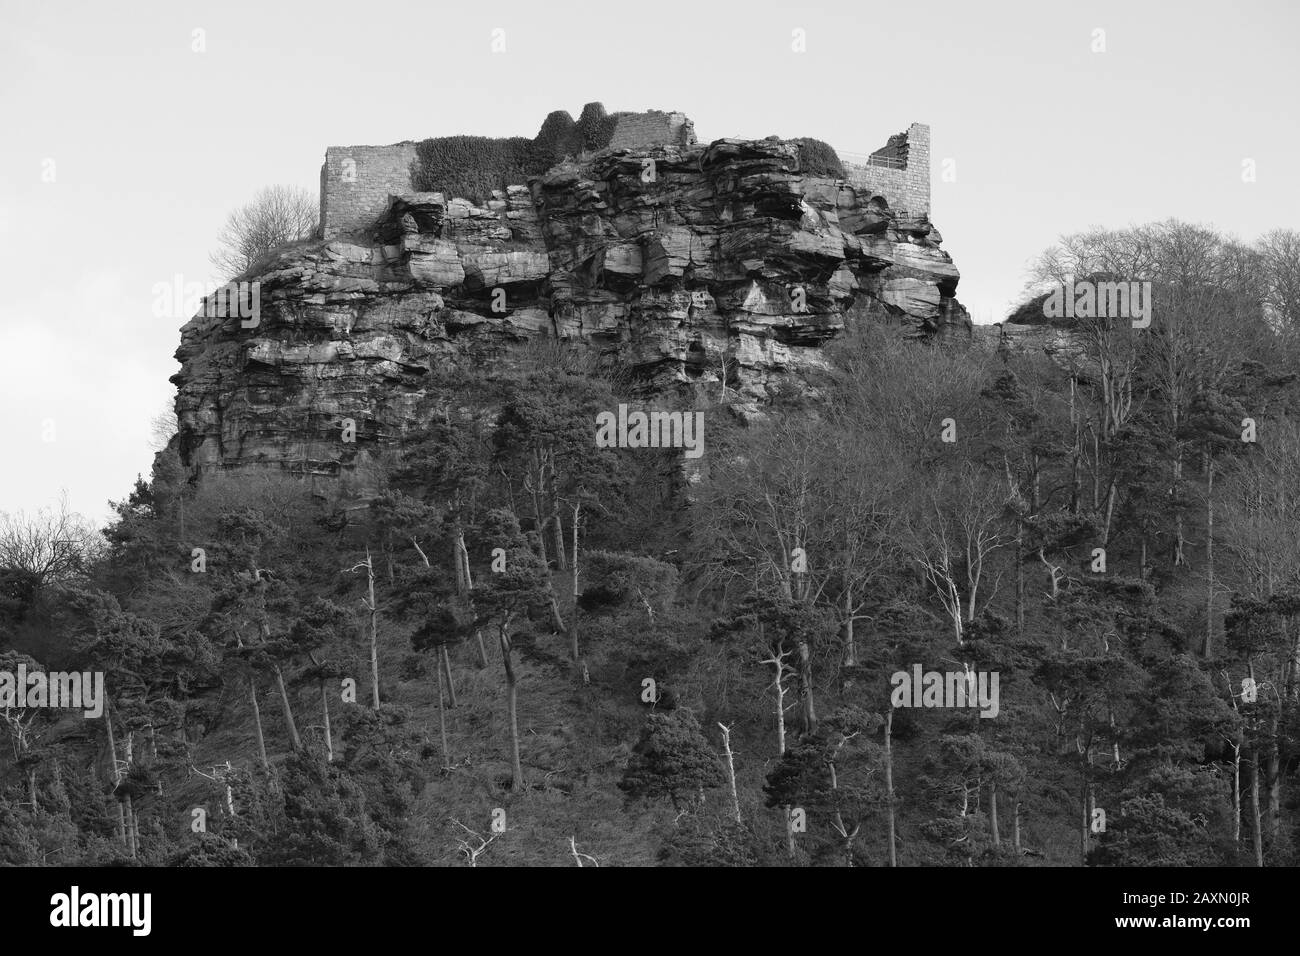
pixel 672 759
pixel 817 158
pixel 470 167
pixel 615 579
pixel 554 139
pixel 595 128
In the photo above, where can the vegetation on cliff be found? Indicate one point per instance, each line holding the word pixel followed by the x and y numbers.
pixel 817 158
pixel 471 167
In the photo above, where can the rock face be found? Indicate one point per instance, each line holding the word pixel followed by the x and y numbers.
pixel 1060 343
pixel 679 263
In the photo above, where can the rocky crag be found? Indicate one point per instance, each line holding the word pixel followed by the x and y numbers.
pixel 680 262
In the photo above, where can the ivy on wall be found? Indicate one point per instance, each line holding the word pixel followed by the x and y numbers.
pixel 471 167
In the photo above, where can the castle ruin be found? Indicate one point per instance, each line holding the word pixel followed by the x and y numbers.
pixel 356 181
pixel 899 170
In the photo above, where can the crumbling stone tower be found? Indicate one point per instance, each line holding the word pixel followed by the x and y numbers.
pixel 900 170
pixel 356 181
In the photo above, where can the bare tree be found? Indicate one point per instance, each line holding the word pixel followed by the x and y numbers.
pixel 51 544
pixel 467 847
pixel 759 508
pixel 1279 252
pixel 1260 507
pixel 579 856
pixel 275 216
pixel 372 609
pixel 162 426
pixel 953 544
pixel 862 482
pixel 731 769
pixel 1099 252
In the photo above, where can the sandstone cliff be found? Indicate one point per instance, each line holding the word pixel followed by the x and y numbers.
pixel 674 262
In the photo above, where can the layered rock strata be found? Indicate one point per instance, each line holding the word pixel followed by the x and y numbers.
pixel 681 264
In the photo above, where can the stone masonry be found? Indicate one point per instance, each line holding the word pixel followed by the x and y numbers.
pixel 654 128
pixel 907 189
pixel 356 181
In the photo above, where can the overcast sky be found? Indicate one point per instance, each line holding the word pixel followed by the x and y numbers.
pixel 124 148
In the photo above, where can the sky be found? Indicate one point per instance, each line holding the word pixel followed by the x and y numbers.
pixel 128 132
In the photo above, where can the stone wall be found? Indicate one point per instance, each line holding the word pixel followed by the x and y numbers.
pixel 654 128
pixel 906 189
pixel 355 183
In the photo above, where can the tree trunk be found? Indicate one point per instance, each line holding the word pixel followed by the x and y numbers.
pixel 780 713
pixel 121 822
pixel 1180 539
pixel 1256 832
pixel 1075 452
pixel 444 663
pixel 516 768
pixel 537 479
pixel 965 811
pixel 1015 825
pixel 294 740
pixel 574 653
pixel 840 826
pixel 731 771
pixel 993 815
pixel 557 622
pixel 257 722
pixel 1273 776
pixel 1083 830
pixel 374 635
pixel 557 530
pixel 117 775
pixel 1209 555
pixel 1236 795
pixel 1110 514
pixel 442 726
pixel 463 553
pixel 132 835
pixel 1289 668
pixel 806 687
pixel 462 585
pixel 850 645
pixel 889 783
pixel 1020 578
pixel 329 738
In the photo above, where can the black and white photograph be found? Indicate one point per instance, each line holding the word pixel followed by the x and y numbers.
pixel 826 436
